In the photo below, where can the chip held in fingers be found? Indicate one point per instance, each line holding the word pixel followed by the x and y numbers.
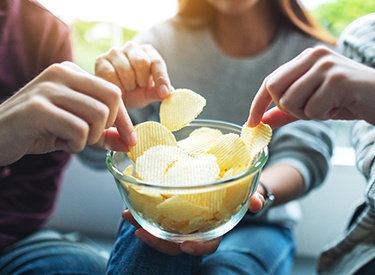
pixel 256 138
pixel 180 108
pixel 149 134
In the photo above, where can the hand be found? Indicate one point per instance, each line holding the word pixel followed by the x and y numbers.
pixel 139 71
pixel 256 202
pixel 64 108
pixel 318 84
pixel 171 248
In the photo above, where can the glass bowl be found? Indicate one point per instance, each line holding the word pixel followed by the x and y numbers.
pixel 189 212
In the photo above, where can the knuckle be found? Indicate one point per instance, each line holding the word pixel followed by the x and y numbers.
pixel 141 64
pixel 56 70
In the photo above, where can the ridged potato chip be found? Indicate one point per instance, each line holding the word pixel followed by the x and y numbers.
pixel 145 201
pixel 256 138
pixel 192 169
pixel 150 134
pixel 180 108
pixel 179 206
pixel 154 163
pixel 199 140
pixel 230 151
pixel 213 200
pixel 172 165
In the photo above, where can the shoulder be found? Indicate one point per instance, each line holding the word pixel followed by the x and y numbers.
pixel 357 41
pixel 33 11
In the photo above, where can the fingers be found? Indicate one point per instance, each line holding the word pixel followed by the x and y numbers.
pixel 94 100
pixel 158 72
pixel 273 87
pixel 259 105
pixel 256 202
pixel 200 248
pixel 58 129
pixel 139 71
pixel 275 118
pixel 73 77
pixel 122 136
pixel 282 85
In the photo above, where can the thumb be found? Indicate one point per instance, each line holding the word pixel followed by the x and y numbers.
pixel 276 118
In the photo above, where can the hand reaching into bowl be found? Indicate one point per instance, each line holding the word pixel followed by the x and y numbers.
pixel 318 84
pixel 63 108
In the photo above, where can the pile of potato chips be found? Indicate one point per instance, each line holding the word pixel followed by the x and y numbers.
pixel 205 156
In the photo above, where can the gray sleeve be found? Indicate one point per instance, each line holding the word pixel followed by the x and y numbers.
pixel 363 139
pixel 357 41
pixel 307 146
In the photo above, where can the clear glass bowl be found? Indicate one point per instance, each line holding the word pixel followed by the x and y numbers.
pixel 189 212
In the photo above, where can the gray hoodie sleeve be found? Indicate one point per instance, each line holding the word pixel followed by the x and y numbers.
pixel 307 146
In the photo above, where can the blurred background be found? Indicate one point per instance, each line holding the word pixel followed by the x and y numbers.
pixel 98 25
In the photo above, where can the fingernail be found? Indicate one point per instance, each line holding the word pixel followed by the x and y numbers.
pixel 189 250
pixel 132 139
pixel 250 121
pixel 163 91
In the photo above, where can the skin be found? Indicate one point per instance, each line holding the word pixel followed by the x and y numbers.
pixel 318 84
pixel 64 108
pixel 242 28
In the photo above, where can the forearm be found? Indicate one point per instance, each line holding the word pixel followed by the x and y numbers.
pixel 285 182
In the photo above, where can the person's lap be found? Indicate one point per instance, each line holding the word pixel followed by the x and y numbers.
pixel 49 252
pixel 132 256
pixel 252 249
pixel 247 249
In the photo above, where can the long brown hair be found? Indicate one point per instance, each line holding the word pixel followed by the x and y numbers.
pixel 290 12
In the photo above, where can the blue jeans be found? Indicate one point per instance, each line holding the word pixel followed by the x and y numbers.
pixel 48 252
pixel 246 249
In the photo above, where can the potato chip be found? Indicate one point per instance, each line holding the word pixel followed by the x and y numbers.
pixel 180 206
pixel 153 164
pixel 237 193
pixel 180 108
pixel 128 171
pixel 256 138
pixel 200 140
pixel 230 151
pixel 192 169
pixel 149 134
pixel 213 200
pixel 145 201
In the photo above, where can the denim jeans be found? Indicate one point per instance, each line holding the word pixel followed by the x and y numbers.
pixel 48 252
pixel 246 249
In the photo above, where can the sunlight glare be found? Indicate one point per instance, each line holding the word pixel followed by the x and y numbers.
pixel 133 14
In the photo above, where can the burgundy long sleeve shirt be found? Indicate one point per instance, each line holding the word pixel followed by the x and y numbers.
pixel 31 39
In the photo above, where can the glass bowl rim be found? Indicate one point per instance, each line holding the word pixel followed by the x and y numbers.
pixel 259 163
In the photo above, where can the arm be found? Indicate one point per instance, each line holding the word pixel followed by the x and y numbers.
pixel 67 113
pixel 318 84
pixel 300 159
